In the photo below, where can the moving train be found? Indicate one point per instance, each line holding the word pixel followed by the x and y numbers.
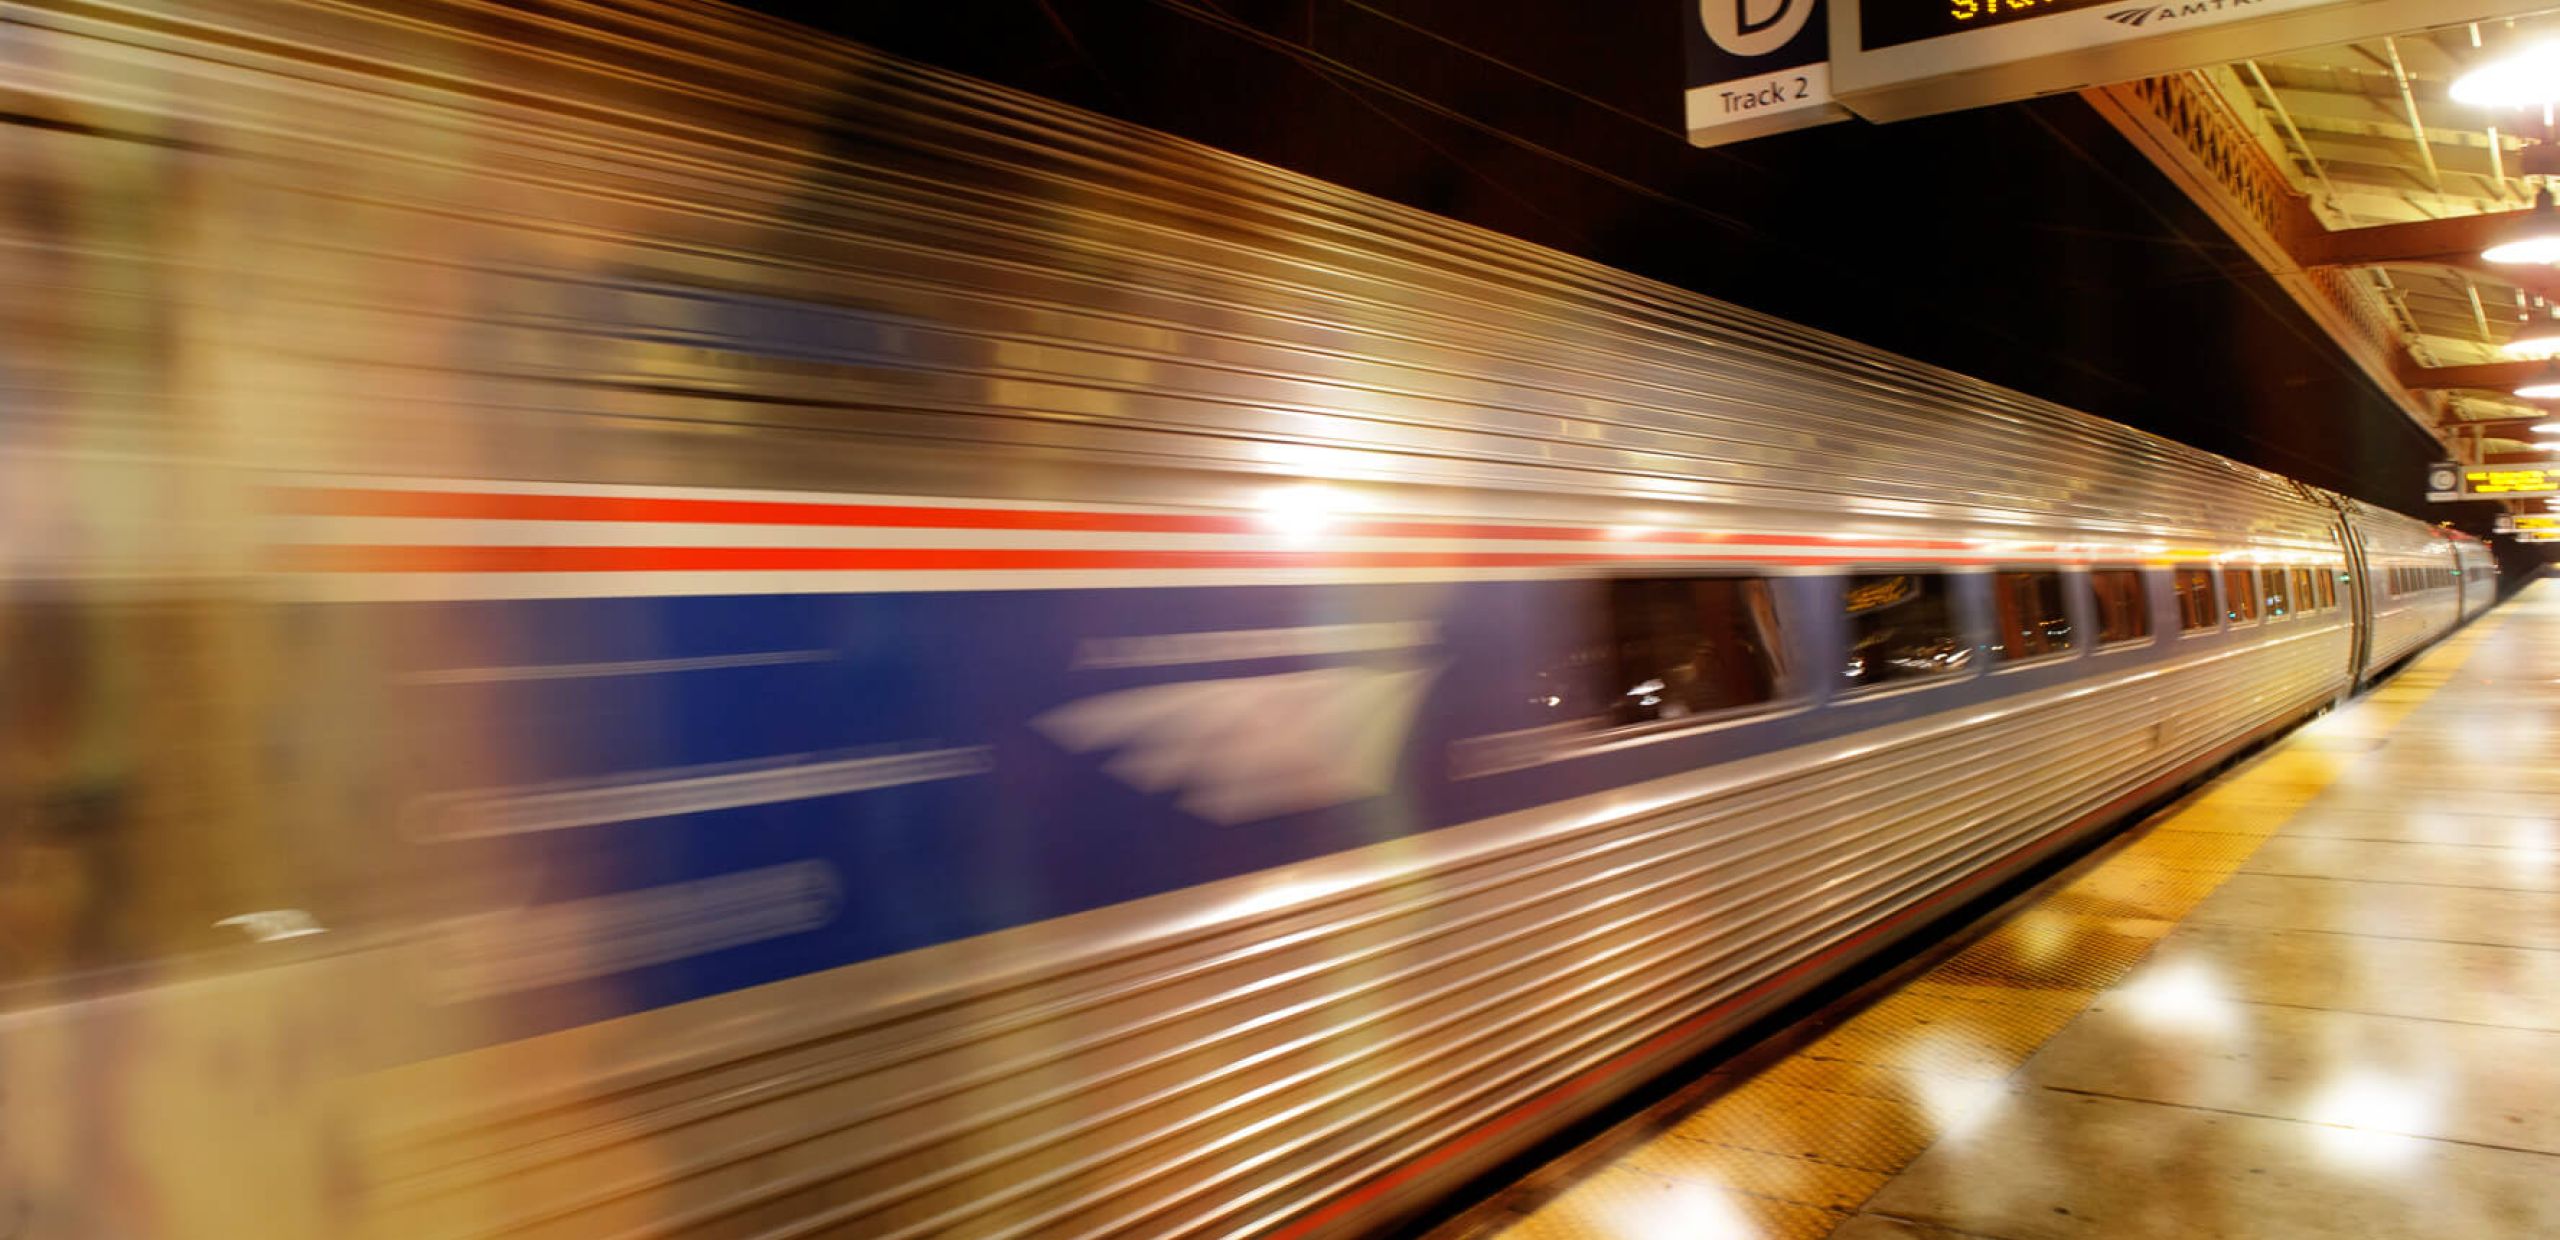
pixel 624 620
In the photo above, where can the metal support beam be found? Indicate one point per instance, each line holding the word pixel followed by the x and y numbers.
pixel 2509 428
pixel 2494 376
pixel 2455 242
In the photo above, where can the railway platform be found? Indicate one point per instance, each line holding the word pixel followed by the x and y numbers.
pixel 2317 997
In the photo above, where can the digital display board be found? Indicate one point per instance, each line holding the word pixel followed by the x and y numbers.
pixel 1888 24
pixel 2537 523
pixel 2511 480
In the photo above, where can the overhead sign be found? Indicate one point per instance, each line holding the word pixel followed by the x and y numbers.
pixel 2510 480
pixel 1892 59
pixel 2535 523
pixel 1756 67
pixel 2553 537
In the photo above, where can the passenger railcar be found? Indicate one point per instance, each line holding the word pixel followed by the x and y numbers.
pixel 682 629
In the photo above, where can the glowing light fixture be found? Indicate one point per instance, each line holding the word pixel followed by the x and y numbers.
pixel 2544 343
pixel 2533 240
pixel 2523 79
pixel 2543 389
pixel 2546 428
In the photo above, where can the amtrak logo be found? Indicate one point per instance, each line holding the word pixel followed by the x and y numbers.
pixel 2171 12
pixel 1248 748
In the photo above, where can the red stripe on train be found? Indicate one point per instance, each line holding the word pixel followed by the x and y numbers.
pixel 503 559
pixel 501 506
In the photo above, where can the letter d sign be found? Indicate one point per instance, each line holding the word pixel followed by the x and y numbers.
pixel 1753 27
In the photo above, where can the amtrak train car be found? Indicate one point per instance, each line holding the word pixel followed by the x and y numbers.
pixel 656 625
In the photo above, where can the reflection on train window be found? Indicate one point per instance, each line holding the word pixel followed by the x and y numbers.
pixel 1901 628
pixel 2328 588
pixel 2195 599
pixel 2279 599
pixel 2124 611
pixel 2031 615
pixel 2306 597
pixel 2240 594
pixel 1686 646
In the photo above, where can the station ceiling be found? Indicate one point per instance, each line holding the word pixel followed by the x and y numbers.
pixel 2354 178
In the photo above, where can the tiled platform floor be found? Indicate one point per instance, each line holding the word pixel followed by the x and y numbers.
pixel 2321 998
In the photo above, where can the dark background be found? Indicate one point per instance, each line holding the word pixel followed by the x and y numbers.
pixel 2026 244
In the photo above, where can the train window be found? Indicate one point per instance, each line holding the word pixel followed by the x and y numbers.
pixel 2195 599
pixel 2279 598
pixel 1685 646
pixel 2033 620
pixel 2305 596
pixel 1901 627
pixel 2240 594
pixel 2328 587
pixel 2124 608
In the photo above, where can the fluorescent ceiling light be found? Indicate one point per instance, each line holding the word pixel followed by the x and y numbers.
pixel 2543 344
pixel 2526 78
pixel 2540 248
pixel 2533 239
pixel 2548 389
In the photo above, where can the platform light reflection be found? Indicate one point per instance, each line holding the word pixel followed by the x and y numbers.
pixel 1683 1211
pixel 2367 1117
pixel 2183 996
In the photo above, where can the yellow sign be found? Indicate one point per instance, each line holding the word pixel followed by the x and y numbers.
pixel 2511 480
pixel 2541 523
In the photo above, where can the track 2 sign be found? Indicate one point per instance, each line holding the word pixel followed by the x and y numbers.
pixel 1756 67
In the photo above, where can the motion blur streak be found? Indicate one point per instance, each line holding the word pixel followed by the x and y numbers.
pixel 619 619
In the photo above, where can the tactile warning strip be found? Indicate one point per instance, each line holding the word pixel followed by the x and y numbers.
pixel 1793 1151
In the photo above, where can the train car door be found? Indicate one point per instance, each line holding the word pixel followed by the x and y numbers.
pixel 2359 599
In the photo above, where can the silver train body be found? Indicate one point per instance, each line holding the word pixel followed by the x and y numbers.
pixel 669 627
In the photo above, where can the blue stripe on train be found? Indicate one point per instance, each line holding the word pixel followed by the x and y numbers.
pixel 1048 829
